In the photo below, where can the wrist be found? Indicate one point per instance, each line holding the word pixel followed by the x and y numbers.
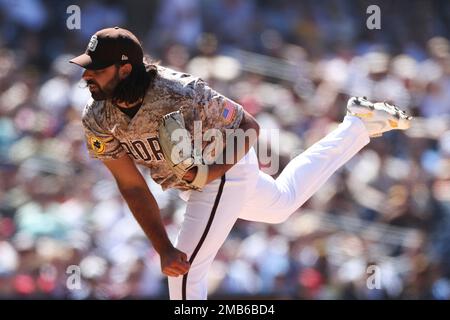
pixel 164 247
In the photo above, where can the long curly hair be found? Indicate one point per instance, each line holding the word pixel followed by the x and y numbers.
pixel 134 87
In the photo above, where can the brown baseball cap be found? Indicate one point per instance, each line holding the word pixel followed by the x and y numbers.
pixel 109 46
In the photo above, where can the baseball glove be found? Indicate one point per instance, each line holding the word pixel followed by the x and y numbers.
pixel 176 146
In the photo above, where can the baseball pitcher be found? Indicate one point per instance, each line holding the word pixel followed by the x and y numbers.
pixel 177 126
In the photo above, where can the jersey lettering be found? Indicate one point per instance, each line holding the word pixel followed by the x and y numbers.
pixel 146 150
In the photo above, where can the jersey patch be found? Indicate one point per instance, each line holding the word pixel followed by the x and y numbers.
pixel 229 112
pixel 97 144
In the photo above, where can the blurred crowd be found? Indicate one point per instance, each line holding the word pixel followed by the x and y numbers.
pixel 379 228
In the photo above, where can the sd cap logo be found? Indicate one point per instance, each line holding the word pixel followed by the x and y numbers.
pixel 93 43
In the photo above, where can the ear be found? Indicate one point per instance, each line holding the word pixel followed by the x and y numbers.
pixel 125 70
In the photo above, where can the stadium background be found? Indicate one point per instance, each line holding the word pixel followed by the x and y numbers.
pixel 292 64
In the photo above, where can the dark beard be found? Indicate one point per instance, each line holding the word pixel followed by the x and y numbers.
pixel 107 92
pixel 99 95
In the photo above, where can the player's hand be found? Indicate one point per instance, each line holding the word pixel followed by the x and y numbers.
pixel 174 262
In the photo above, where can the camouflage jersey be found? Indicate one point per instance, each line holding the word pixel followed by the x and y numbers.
pixel 111 134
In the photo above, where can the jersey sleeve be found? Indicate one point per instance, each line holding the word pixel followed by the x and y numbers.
pixel 213 109
pixel 100 143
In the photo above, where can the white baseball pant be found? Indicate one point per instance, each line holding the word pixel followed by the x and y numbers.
pixel 247 193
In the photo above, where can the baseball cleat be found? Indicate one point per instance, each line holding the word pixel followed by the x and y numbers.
pixel 378 117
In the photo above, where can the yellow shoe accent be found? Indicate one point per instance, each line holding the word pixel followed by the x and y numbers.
pixel 364 115
pixel 394 124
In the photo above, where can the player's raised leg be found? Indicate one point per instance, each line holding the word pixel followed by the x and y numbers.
pixel 275 200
